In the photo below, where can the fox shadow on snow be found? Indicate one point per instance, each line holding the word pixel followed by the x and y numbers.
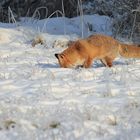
pixel 99 64
pixel 44 65
pixel 95 65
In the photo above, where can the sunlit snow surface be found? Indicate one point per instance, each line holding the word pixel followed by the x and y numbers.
pixel 41 101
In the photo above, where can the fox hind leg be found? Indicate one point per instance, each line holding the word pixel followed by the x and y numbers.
pixel 107 61
pixel 104 62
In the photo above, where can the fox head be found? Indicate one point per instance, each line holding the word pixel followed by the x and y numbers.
pixel 71 57
pixel 64 62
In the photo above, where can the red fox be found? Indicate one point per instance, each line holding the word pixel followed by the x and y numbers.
pixel 82 52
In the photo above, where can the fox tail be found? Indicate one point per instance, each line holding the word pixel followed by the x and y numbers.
pixel 129 51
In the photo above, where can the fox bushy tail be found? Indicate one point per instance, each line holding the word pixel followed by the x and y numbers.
pixel 129 51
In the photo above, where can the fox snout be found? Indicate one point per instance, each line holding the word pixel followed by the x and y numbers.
pixel 56 55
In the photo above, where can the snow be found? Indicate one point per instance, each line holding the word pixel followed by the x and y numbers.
pixel 39 100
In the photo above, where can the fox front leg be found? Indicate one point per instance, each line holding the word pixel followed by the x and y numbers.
pixel 88 63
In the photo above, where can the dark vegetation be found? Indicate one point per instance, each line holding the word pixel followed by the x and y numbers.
pixel 125 13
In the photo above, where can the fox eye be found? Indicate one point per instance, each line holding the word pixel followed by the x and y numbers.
pixel 78 48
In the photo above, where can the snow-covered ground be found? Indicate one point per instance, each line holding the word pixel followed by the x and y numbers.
pixel 41 101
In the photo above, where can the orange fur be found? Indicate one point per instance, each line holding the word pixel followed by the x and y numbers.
pixel 105 48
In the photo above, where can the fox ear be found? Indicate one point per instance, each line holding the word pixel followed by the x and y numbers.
pixel 71 43
pixel 78 46
pixel 56 55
